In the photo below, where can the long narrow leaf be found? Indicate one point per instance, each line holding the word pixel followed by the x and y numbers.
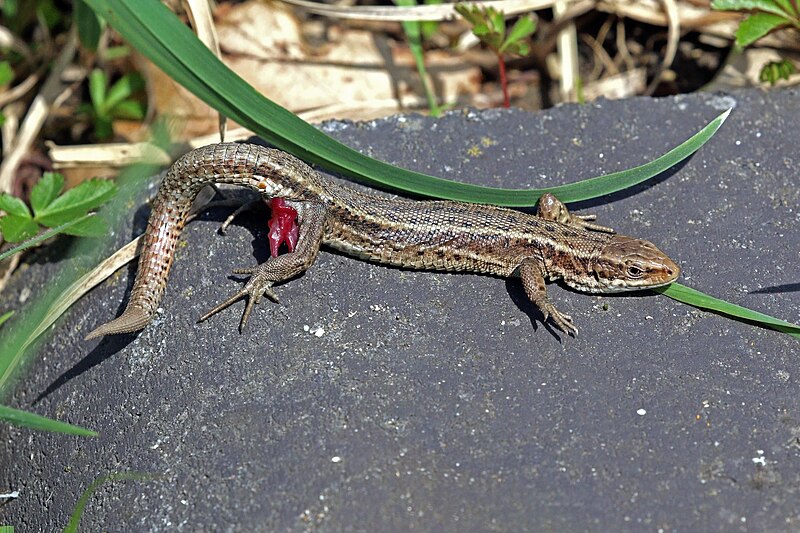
pixel 693 297
pixel 80 505
pixel 159 35
pixel 34 421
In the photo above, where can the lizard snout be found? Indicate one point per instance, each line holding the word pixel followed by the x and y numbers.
pixel 627 264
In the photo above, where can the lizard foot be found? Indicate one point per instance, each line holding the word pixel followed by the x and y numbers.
pixel 255 288
pixel 561 320
pixel 582 221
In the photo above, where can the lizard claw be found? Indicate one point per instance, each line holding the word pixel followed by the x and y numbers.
pixel 254 290
pixel 561 320
pixel 582 221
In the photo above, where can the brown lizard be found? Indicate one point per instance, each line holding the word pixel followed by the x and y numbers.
pixel 432 235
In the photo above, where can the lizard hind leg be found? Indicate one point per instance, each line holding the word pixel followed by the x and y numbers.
pixel 311 228
pixel 256 287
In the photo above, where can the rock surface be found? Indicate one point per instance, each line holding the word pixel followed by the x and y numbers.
pixel 382 399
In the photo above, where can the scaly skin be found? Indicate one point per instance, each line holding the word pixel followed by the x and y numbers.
pixel 430 235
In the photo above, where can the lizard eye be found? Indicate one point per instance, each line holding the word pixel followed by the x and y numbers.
pixel 634 271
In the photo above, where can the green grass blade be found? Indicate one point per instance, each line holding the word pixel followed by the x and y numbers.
pixel 80 506
pixel 159 35
pixel 43 236
pixel 5 316
pixel 695 298
pixel 617 181
pixel 6 529
pixel 413 31
pixel 34 421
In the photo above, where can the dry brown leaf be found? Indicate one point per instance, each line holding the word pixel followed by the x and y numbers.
pixel 263 43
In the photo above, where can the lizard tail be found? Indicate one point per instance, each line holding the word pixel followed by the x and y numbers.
pixel 133 319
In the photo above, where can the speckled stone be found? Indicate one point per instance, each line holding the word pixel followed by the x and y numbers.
pixel 378 399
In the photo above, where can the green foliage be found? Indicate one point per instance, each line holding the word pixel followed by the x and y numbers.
pixel 51 209
pixel 112 103
pixel 34 421
pixel 429 27
pixel 6 529
pixel 489 25
pixel 776 70
pixel 695 298
pixel 414 33
pixel 90 26
pixel 766 16
pixel 6 73
pixel 80 506
pixel 5 316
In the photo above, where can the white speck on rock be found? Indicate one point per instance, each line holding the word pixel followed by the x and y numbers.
pixel 641 412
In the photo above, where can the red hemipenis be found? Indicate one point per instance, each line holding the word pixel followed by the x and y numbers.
pixel 283 226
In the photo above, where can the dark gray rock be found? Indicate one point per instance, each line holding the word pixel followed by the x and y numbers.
pixel 383 399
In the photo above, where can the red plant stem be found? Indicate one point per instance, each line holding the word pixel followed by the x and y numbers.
pixel 503 80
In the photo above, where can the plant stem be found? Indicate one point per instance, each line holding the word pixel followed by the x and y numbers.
pixel 503 80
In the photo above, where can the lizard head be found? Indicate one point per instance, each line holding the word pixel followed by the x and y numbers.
pixel 626 264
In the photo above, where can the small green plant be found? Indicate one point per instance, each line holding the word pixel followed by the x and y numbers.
pixel 416 32
pixel 115 102
pixel 6 529
pixel 765 17
pixel 489 25
pixel 776 70
pixel 52 209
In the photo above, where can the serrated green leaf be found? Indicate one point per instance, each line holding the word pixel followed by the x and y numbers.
pixel 782 7
pixel 758 25
pixel 480 29
pixel 16 228
pixel 13 205
pixel 520 49
pixel 6 73
pixel 122 89
pixel 31 420
pixel 77 201
pixel 524 27
pixel 97 89
pixel 38 239
pixel 129 109
pixel 470 14
pixel 46 190
pixel 498 21
pixel 91 226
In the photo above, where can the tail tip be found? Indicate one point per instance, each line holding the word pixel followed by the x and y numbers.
pixel 133 319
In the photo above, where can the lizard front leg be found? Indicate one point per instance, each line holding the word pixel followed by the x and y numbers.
pixel 551 208
pixel 311 219
pixel 533 281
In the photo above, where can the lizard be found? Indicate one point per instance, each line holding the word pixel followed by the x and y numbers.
pixel 441 235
